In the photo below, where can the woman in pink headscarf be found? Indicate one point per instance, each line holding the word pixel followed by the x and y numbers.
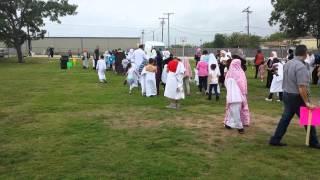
pixel 237 111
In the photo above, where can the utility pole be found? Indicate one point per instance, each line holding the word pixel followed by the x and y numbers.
pixel 142 36
pixel 247 10
pixel 162 25
pixel 168 14
pixel 153 35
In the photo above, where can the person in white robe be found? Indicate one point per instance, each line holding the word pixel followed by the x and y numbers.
pixel 277 81
pixel 85 61
pixel 130 55
pixel 153 53
pixel 139 56
pixel 101 69
pixel 174 86
pixel 148 79
pixel 164 74
pixel 132 77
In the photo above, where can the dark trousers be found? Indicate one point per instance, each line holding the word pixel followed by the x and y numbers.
pixel 257 71
pixel 280 96
pixel 292 104
pixel 95 63
pixel 215 88
pixel 269 79
pixel 203 83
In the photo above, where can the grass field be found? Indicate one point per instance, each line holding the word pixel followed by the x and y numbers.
pixel 57 124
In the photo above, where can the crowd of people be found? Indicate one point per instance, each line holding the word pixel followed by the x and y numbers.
pixel 174 75
pixel 290 78
pixel 212 73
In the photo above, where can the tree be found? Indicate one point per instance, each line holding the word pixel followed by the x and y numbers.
pixel 19 17
pixel 296 17
pixel 220 41
pixel 277 36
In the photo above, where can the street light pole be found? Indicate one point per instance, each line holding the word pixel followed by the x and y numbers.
pixel 162 26
pixel 168 14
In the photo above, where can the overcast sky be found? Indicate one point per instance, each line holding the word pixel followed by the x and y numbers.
pixel 193 19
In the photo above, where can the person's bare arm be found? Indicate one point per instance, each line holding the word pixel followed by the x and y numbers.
pixel 303 91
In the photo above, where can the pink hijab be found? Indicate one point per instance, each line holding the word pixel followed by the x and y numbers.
pixel 236 72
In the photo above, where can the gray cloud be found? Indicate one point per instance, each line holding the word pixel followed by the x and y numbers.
pixel 193 19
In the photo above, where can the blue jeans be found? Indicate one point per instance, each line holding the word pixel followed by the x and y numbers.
pixel 292 104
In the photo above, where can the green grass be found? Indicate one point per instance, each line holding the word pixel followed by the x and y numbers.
pixel 57 124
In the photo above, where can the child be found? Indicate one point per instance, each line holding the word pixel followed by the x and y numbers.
pixel 132 77
pixel 213 81
pixel 277 80
pixel 101 69
pixel 148 79
pixel 262 68
pixel 202 68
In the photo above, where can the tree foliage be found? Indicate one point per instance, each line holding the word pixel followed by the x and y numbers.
pixel 277 36
pixel 234 40
pixel 297 17
pixel 18 16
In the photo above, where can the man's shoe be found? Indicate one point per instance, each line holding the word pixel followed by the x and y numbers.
pixel 278 144
pixel 241 131
pixel 227 127
pixel 269 100
pixel 317 146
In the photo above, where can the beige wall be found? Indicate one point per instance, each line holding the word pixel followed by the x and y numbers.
pixel 64 44
pixel 310 43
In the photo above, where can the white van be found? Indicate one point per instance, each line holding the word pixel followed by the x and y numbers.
pixel 149 45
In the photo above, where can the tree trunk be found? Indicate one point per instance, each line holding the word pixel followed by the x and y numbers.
pixel 19 53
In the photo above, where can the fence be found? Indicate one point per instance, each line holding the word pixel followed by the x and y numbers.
pixel 190 52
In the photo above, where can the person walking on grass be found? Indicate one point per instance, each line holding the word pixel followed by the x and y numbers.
pixel 148 79
pixel 101 68
pixel 262 71
pixel 259 59
pixel 187 76
pixel 96 57
pixel 277 80
pixel 237 111
pixel 296 82
pixel 202 68
pixel 132 77
pixel 269 68
pixel 174 84
pixel 213 80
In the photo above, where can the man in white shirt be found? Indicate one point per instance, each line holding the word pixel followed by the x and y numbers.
pixel 139 56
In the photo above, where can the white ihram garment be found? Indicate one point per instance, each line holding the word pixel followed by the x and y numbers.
pixel 276 85
pixel 234 100
pixel 148 83
pixel 174 86
pixel 101 68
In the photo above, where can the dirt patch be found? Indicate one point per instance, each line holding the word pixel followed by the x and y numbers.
pixel 209 128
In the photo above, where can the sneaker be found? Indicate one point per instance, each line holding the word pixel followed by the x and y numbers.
pixel 269 100
pixel 316 146
pixel 279 100
pixel 227 127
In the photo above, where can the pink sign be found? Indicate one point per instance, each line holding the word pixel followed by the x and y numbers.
pixel 304 116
